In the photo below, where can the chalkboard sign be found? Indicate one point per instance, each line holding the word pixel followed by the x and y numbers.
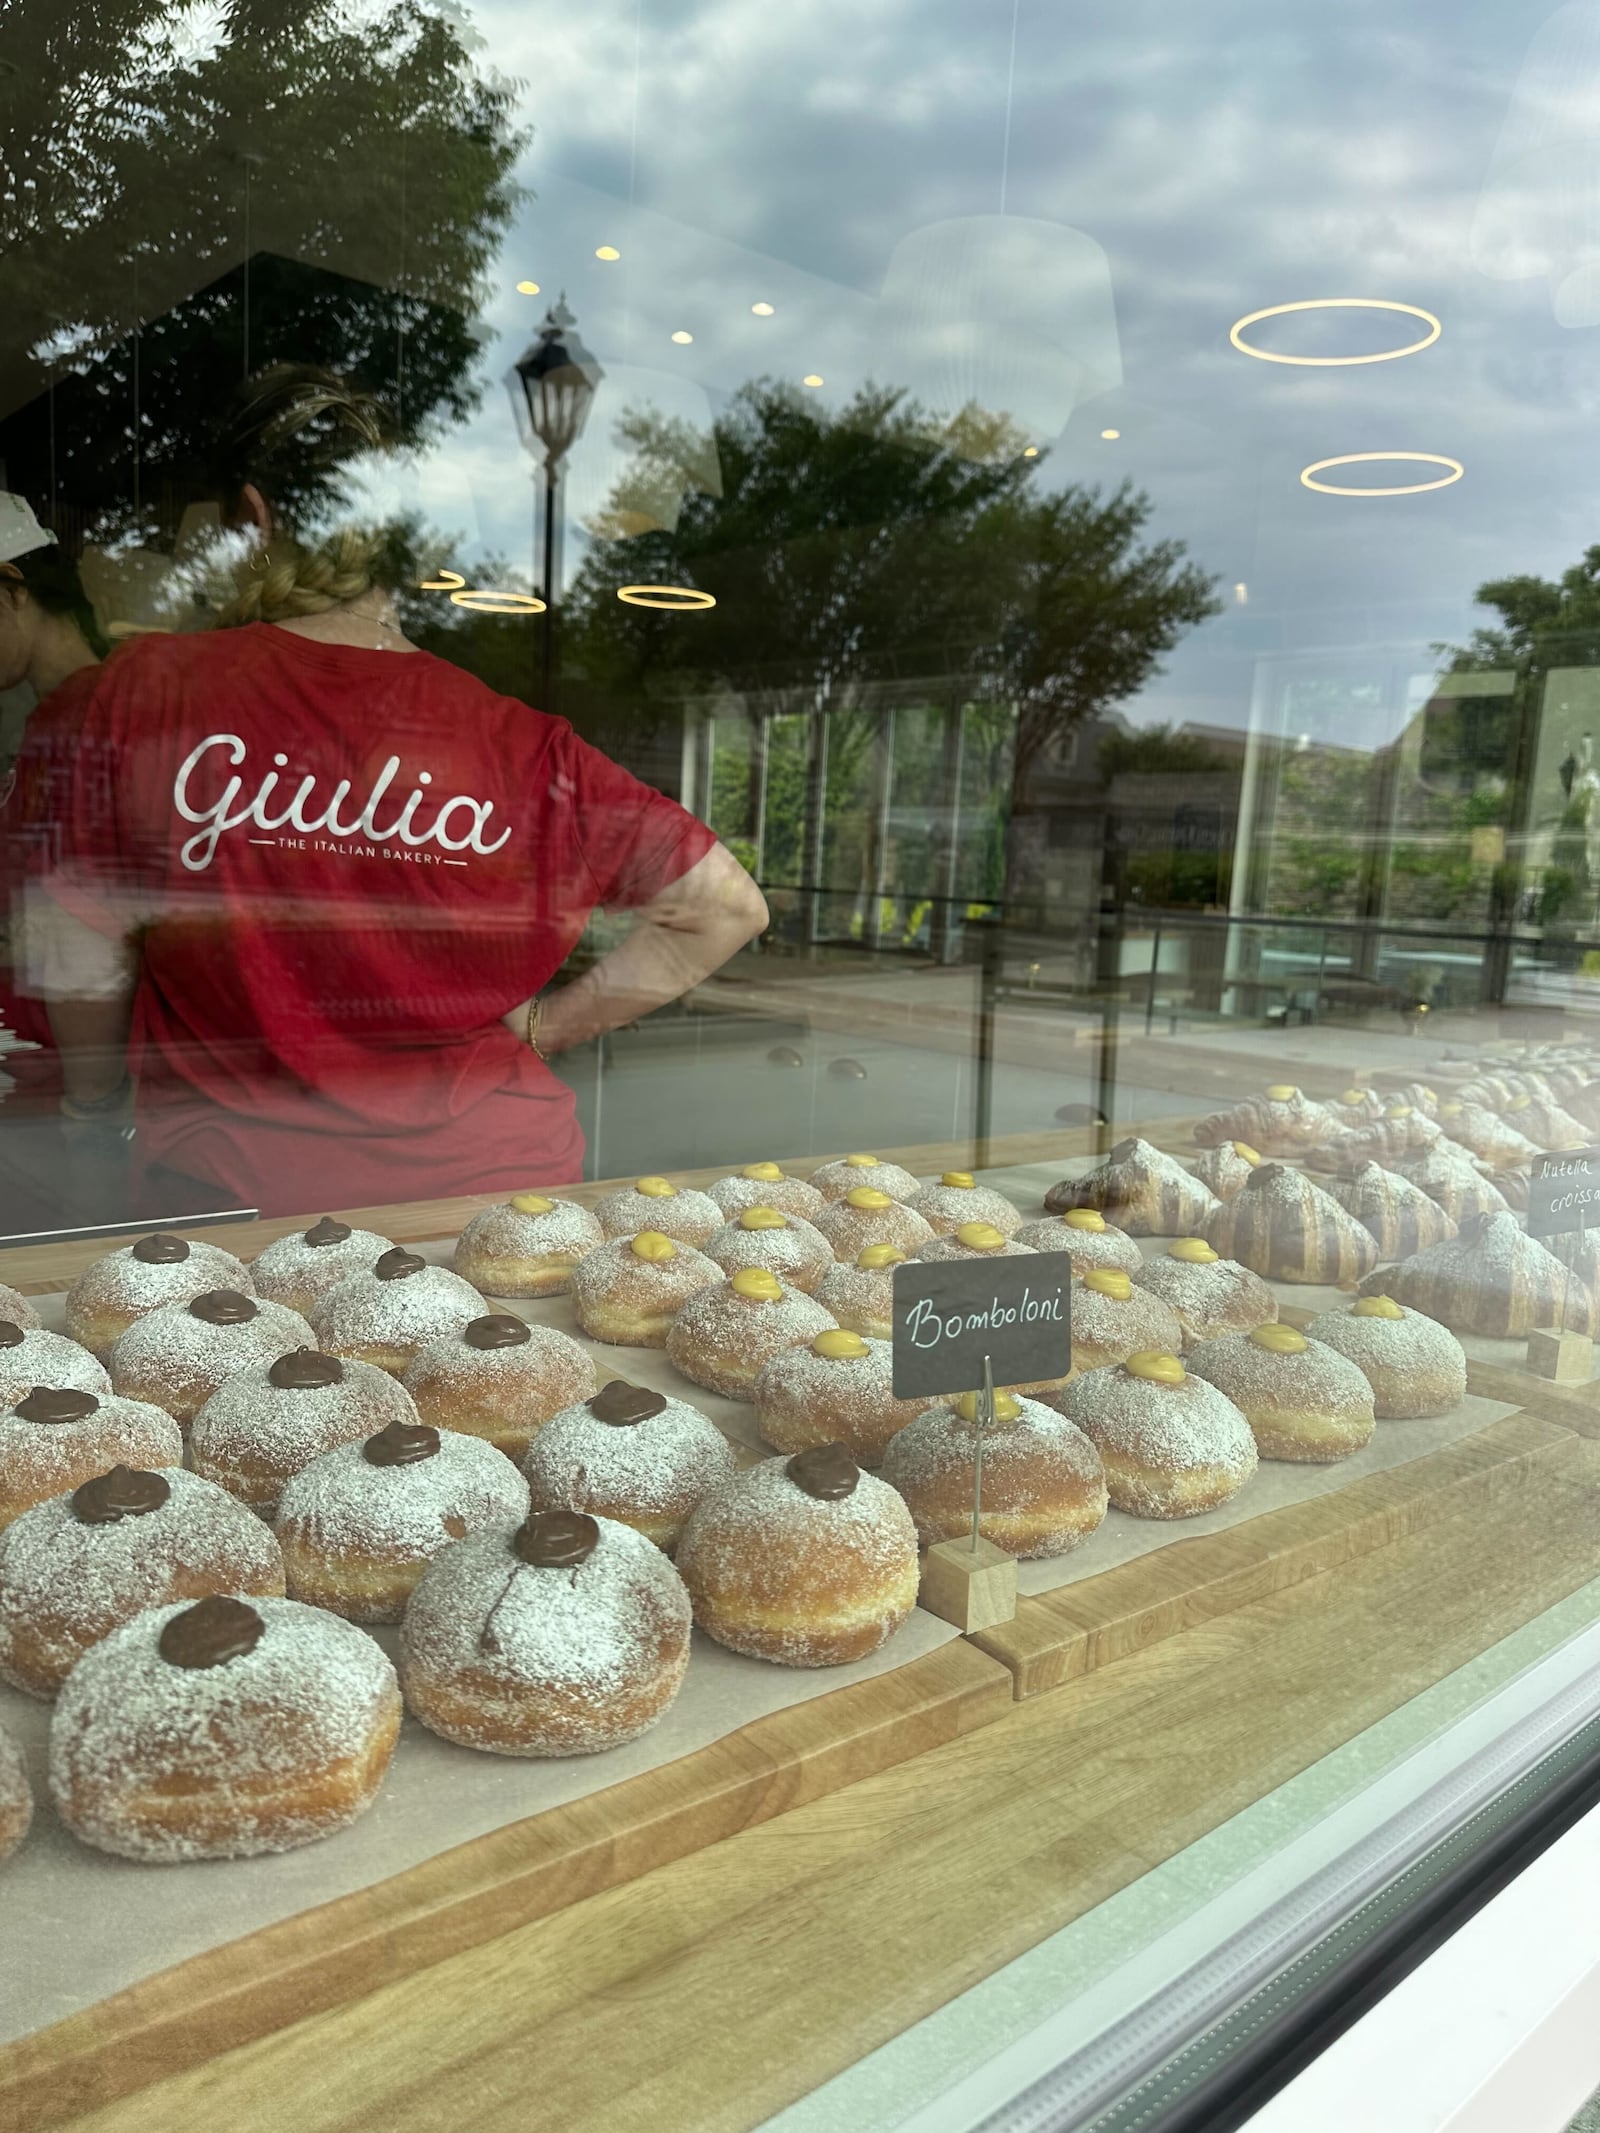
pixel 1564 1193
pixel 949 1315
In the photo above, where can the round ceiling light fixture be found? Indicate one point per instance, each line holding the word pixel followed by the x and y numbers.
pixel 481 601
pixel 606 251
pixel 676 599
pixel 448 581
pixel 527 288
pixel 1334 303
pixel 1453 473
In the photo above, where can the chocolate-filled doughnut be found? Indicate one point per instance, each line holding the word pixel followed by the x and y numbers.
pixel 630 1454
pixel 56 1438
pixel 267 1421
pixel 387 1315
pixel 300 1269
pixel 499 1378
pixel 177 1356
pixel 29 1356
pixel 17 1311
pixel 159 1269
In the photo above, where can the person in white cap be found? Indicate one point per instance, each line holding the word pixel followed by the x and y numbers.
pixel 48 629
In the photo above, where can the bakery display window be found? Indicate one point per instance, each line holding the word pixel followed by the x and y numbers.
pixel 799 1050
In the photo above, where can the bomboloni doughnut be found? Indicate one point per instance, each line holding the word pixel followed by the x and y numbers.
pixel 765 1185
pixel 1172 1445
pixel 723 1337
pixel 629 1454
pixel 527 1246
pixel 222 1730
pixel 16 1796
pixel 1044 1489
pixel 630 1290
pixel 975 1240
pixel 267 1421
pixel 765 1236
pixel 1087 1238
pixel 835 1389
pixel 1303 1401
pixel 1206 1293
pixel 386 1315
pixel 77 1567
pixel 17 1311
pixel 562 1636
pixel 958 1198
pixel 674 1211
pixel 803 1560
pixel 29 1356
pixel 860 1292
pixel 56 1438
pixel 1415 1366
pixel 176 1357
pixel 866 1216
pixel 1226 1168
pixel 160 1269
pixel 1111 1319
pixel 361 1523
pixel 499 1378
pixel 834 1180
pixel 300 1269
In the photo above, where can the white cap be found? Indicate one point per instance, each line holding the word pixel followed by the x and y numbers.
pixel 20 531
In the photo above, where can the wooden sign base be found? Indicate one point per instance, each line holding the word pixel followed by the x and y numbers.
pixel 1565 1358
pixel 972 1587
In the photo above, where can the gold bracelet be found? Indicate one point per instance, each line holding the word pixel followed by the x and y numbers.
pixel 533 1027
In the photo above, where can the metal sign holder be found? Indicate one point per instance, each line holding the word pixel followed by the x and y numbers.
pixel 971 1582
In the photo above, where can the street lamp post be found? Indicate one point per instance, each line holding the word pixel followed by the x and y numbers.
pixel 553 386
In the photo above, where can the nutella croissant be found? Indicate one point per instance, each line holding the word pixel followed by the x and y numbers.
pixel 1142 1191
pixel 1450 1176
pixel 1401 1217
pixel 1284 1227
pixel 1491 1279
pixel 1485 1134
pixel 1281 1121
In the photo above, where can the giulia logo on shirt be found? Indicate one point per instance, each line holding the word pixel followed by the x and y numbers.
pixel 461 824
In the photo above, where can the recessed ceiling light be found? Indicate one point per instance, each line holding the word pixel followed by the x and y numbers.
pixel 606 251
pixel 527 288
pixel 810 378
pixel 1111 435
pixel 1453 472
pixel 1030 451
pixel 1335 303
pixel 683 339
pixel 762 310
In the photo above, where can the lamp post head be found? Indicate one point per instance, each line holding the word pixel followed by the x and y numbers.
pixel 553 384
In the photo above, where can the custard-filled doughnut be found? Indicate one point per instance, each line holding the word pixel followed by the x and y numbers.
pixel 865 1217
pixel 300 1269
pixel 765 1236
pixel 675 1211
pixel 1206 1293
pixel 1172 1445
pixel 1087 1238
pixel 1302 1400
pixel 958 1198
pixel 16 1796
pixel 159 1269
pixel 29 1356
pixel 77 1567
pixel 1044 1489
pixel 16 1310
pixel 1112 1319
pixel 975 1240
pixel 834 1180
pixel 176 1357
pixel 765 1185
pixel 386 1315
pixel 835 1389
pixel 630 1290
pixel 56 1438
pixel 802 1560
pixel 722 1337
pixel 561 1636
pixel 362 1522
pixel 222 1730
pixel 860 1292
pixel 1415 1366
pixel 527 1246
pixel 499 1378
pixel 1226 1168
pixel 629 1454
pixel 266 1422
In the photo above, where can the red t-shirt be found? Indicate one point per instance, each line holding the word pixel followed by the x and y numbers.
pixel 346 866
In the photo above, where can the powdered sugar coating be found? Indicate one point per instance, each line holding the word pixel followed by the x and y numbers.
pixel 177 1361
pixel 1380 1140
pixel 951 1247
pixel 1143 1191
pixel 1222 1169
pixel 1042 1477
pixel 502 1251
pixel 42 1358
pixel 252 1435
pixel 1107 1328
pixel 16 1309
pixel 1165 1430
pixel 314 1691
pixel 16 1795
pixel 41 1459
pixel 1314 1379
pixel 1449 1175
pixel 861 1298
pixel 803 1398
pixel 721 1339
pixel 1400 1217
pixel 590 1638
pixel 1389 1352
pixel 834 1180
pixel 1287 1228
pixel 1086 1247
pixel 292 1272
pixel 126 1287
pixel 798 1253
pixel 1483 1134
pixel 1208 1297
pixel 946 1207
pixel 1272 1125
pixel 504 1394
pixel 1491 1279
pixel 64 1585
pixel 850 1230
pixel 657 1469
pixel 394 1316
pixel 792 1195
pixel 688 1217
pixel 340 1505
pixel 620 1297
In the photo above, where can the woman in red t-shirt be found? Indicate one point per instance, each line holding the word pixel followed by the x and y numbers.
pixel 339 873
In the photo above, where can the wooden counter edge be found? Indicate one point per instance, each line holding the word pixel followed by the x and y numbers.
pixel 493 1884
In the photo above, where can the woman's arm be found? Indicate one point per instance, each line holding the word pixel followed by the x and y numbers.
pixel 86 980
pixel 689 930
